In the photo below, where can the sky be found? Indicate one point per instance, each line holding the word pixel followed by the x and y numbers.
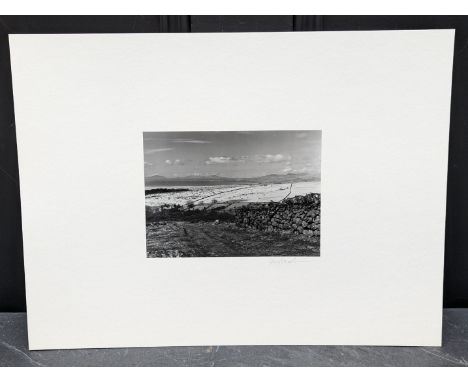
pixel 232 153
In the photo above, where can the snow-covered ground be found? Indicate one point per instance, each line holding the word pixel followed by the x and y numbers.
pixel 232 194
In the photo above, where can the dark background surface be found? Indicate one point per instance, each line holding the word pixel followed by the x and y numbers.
pixel 12 290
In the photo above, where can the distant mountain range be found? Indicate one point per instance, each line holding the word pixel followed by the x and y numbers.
pixel 214 180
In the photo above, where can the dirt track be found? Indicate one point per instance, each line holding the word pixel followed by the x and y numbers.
pixel 205 239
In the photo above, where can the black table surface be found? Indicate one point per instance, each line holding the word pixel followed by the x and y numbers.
pixel 454 352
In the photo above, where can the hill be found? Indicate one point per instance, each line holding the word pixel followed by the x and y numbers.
pixel 214 180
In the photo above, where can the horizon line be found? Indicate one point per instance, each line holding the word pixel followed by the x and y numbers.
pixel 229 177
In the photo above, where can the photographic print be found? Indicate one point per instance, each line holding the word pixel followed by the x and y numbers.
pixel 233 217
pixel 232 193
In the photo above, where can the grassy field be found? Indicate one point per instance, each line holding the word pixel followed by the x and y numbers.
pixel 229 194
pixel 204 239
pixel 212 233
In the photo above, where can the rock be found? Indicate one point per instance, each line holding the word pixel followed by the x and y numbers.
pixel 300 214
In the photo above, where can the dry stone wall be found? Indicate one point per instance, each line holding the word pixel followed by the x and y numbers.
pixel 297 215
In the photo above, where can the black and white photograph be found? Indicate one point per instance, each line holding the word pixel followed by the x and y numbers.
pixel 163 181
pixel 232 193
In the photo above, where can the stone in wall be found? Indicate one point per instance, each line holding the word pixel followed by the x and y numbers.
pixel 298 215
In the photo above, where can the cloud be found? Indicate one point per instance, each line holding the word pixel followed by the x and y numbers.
pixel 193 141
pixel 272 158
pixel 175 162
pixel 290 170
pixel 219 160
pixel 301 135
pixel 151 151
pixel 224 160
